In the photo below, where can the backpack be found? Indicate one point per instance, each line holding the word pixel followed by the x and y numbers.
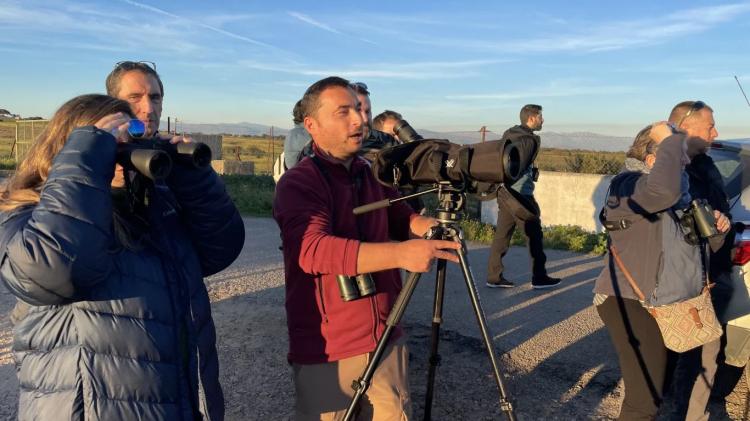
pixel 279 166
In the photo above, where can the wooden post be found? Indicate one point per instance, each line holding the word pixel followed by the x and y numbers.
pixel 14 148
pixel 484 131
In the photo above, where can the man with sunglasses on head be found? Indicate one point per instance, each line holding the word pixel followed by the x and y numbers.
pixel 138 83
pixel 191 208
pixel 696 118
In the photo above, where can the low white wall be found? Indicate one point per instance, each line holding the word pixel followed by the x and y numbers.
pixel 565 199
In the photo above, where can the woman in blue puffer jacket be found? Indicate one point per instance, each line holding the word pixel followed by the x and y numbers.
pixel 118 325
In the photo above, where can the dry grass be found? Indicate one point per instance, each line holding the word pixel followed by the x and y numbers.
pixel 261 151
pixel 7 135
pixel 552 159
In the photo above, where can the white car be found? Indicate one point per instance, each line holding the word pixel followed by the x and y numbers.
pixel 732 158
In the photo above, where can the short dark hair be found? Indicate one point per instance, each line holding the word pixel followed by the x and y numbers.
pixel 310 101
pixel 679 111
pixel 528 111
pixel 377 122
pixel 115 76
pixel 643 145
pixel 297 116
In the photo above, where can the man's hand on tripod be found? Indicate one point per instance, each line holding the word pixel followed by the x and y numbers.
pixel 419 225
pixel 417 255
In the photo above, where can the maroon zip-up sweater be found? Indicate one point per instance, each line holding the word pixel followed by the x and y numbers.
pixel 321 238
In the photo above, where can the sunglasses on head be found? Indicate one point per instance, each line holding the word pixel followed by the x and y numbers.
pixel 360 85
pixel 131 65
pixel 697 106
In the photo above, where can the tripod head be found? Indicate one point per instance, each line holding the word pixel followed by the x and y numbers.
pixel 451 201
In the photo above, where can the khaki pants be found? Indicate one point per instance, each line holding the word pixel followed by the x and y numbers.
pixel 324 390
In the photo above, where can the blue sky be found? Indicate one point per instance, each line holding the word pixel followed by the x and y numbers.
pixel 606 67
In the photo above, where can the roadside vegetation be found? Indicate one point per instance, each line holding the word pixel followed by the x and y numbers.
pixel 253 194
pixel 580 161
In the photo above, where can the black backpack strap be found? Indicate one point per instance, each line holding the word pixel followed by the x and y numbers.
pixel 612 224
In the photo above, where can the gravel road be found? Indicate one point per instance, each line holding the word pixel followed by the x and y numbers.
pixel 556 359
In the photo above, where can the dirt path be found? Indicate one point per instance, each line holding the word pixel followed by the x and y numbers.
pixel 557 360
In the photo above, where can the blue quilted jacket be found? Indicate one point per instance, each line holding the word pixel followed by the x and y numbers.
pixel 115 334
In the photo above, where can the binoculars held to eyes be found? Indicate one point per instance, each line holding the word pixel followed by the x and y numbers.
pixel 153 157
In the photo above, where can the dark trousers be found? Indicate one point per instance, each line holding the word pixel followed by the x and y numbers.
pixel 644 363
pixel 506 224
pixel 642 355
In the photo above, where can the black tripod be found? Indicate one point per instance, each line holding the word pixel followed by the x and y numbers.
pixel 449 213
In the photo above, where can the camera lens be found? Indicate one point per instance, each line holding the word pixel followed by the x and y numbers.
pixel 136 128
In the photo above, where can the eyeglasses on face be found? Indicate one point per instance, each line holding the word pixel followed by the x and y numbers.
pixel 132 65
pixel 697 106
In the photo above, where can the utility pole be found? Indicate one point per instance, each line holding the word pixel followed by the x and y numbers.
pixel 483 130
pixel 270 164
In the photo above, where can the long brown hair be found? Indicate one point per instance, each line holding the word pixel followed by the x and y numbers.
pixel 26 184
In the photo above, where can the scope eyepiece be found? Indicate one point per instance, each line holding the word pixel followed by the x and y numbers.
pixel 405 132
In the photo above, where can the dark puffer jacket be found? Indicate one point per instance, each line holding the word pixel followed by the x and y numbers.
pixel 114 334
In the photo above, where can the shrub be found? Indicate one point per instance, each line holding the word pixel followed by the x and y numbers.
pixel 593 164
pixel 252 194
pixel 561 237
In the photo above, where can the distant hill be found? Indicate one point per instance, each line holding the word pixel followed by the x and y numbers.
pixel 575 140
pixel 250 129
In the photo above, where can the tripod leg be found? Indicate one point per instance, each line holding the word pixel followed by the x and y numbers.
pixel 437 320
pixel 397 312
pixel 505 404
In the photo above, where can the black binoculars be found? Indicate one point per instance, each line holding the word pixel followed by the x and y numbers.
pixel 698 221
pixel 153 157
pixel 353 287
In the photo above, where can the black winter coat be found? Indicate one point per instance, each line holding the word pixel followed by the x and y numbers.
pixel 115 334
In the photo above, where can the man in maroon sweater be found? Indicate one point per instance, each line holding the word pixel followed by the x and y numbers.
pixel 331 341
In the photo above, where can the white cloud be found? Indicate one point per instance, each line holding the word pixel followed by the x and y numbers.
pixel 313 22
pixel 54 28
pixel 202 25
pixel 409 71
pixel 554 89
pixel 607 36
